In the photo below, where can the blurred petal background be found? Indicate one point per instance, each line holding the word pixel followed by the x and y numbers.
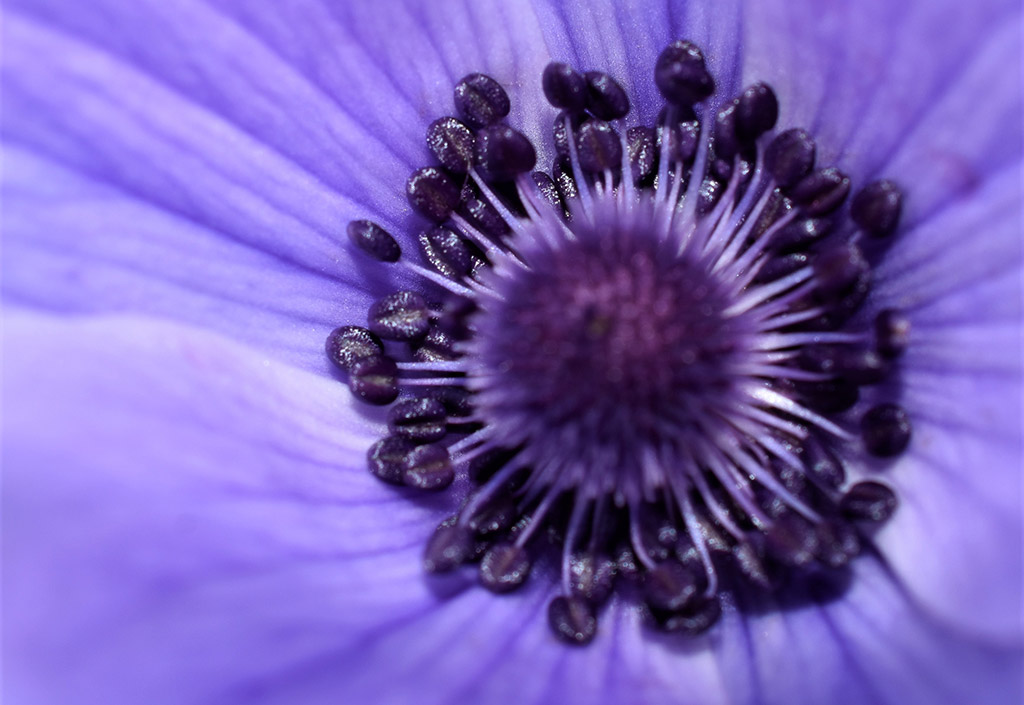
pixel 187 517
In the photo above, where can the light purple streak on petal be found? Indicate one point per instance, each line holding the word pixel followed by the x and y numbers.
pixel 662 669
pixel 926 93
pixel 79 245
pixel 188 520
pixel 625 38
pixel 625 663
pixel 308 138
pixel 969 133
pixel 945 123
pixel 139 185
pixel 442 42
pixel 958 535
pixel 944 268
pixel 217 156
pixel 872 647
pixel 475 648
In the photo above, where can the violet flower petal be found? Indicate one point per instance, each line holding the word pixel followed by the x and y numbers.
pixel 191 523
pixel 873 646
pixel 958 534
pixel 258 219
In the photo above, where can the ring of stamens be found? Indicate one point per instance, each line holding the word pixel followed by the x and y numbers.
pixel 650 355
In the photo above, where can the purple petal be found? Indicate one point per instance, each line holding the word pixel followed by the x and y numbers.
pixel 624 38
pixel 927 93
pixel 958 535
pixel 226 544
pixel 872 647
pixel 189 522
pixel 171 177
pixel 214 190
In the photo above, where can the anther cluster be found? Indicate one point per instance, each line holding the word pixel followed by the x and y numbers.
pixel 646 368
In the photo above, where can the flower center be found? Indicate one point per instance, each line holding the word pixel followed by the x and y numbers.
pixel 607 337
pixel 656 352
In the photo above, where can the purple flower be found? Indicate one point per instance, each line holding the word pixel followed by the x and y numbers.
pixel 188 517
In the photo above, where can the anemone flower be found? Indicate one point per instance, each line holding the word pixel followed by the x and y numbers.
pixel 188 514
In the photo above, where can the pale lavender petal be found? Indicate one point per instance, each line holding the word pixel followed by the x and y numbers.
pixel 926 93
pixel 874 646
pixel 187 521
pixel 959 533
pixel 209 181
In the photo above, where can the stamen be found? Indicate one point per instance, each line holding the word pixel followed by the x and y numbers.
pixel 481 100
pixel 886 430
pixel 876 208
pixel 565 88
pixel 645 355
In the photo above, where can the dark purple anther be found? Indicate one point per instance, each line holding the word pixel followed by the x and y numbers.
pixel 454 316
pixel 868 501
pixel 778 267
pixel 446 251
pixel 499 514
pixel 745 557
pixel 681 74
pixel 830 396
pixel 790 157
pixel 348 344
pixel 695 619
pixel 564 87
pixel 876 208
pixel 821 192
pixel 457 400
pixel 855 364
pixel 591 577
pixel 548 191
pixel 838 269
pixel 670 586
pixel 606 100
pixel 432 193
pixel 438 346
pixel 481 100
pixel 726 143
pixel 504 567
pixel 484 466
pixel 626 563
pixel 721 168
pixel 801 234
pixel 682 140
pixel 419 420
pixel 374 380
pixel 449 547
pixel 885 430
pixel 386 458
pixel 452 143
pixel 643 153
pixel 862 366
pixel 892 331
pixel 374 241
pixel 757 109
pixel 562 129
pixel 400 316
pixel 838 542
pixel 502 153
pixel 428 468
pixel 481 214
pixel 822 465
pixel 572 620
pixel 561 173
pixel 598 147
pixel 792 540
pixel 710 191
